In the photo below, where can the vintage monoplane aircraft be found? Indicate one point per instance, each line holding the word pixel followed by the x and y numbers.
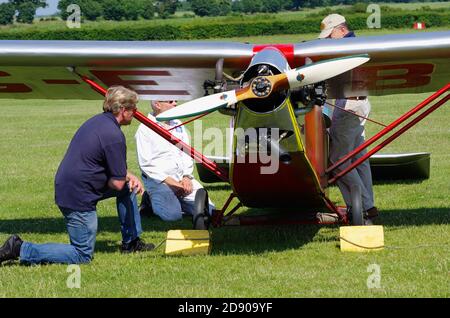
pixel 276 90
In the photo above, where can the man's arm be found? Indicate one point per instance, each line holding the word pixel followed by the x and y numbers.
pixel 116 184
pixel 187 184
pixel 177 187
pixel 133 183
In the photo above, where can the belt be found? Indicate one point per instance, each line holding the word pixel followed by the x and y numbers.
pixel 357 97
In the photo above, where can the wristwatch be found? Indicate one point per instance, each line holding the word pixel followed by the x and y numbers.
pixel 188 176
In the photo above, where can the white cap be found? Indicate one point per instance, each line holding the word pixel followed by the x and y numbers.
pixel 329 23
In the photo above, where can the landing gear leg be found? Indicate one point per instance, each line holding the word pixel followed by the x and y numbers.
pixel 356 209
pixel 200 217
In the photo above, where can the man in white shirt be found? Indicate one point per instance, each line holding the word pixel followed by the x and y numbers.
pixel 166 170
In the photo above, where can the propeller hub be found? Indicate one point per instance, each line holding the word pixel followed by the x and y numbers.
pixel 261 87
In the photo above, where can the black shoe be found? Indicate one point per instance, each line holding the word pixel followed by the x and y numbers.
pixel 137 245
pixel 145 209
pixel 370 215
pixel 11 249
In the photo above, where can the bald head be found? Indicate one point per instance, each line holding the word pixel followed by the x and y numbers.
pixel 159 107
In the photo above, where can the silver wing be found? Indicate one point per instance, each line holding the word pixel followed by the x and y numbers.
pixel 409 63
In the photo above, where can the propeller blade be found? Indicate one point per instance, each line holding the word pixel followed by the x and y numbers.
pixel 263 86
pixel 200 106
pixel 323 70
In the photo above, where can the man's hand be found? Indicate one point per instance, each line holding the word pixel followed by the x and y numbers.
pixel 135 184
pixel 175 186
pixel 187 185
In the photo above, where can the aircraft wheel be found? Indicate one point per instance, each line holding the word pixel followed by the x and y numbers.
pixel 200 217
pixel 357 209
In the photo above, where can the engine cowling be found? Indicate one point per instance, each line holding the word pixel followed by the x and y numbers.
pixel 269 61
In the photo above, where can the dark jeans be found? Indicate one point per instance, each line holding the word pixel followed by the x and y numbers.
pixel 82 229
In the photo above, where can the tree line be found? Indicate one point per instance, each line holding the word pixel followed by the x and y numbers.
pixel 23 11
pixel 224 7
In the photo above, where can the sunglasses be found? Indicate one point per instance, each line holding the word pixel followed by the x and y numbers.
pixel 169 101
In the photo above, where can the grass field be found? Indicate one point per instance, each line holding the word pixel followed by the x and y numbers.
pixel 281 261
pixel 278 261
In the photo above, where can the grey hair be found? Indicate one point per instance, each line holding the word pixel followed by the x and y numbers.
pixel 343 25
pixel 117 97
pixel 153 105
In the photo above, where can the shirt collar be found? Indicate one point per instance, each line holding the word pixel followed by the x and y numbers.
pixel 112 117
pixel 350 34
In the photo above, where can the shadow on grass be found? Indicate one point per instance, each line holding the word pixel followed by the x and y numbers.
pixel 414 217
pixel 230 240
pixel 218 187
pixel 261 239
pixel 395 181
pixel 105 224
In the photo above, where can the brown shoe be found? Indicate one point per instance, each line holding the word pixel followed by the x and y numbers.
pixel 372 213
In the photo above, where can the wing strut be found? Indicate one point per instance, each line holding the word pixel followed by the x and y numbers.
pixel 167 135
pixel 387 130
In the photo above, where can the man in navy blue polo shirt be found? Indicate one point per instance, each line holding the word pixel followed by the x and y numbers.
pixel 93 169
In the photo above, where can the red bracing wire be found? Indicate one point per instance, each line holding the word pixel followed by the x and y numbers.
pixel 389 128
pixel 189 121
pixel 194 154
pixel 354 114
pixel 390 139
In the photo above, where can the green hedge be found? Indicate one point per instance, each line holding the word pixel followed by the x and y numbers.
pixel 191 31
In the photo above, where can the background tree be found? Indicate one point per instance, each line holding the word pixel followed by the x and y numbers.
pixel 201 8
pixel 210 7
pixel 148 9
pixel 114 9
pixel 90 9
pixel 272 6
pixel 62 7
pixel 166 8
pixel 224 7
pixel 251 6
pixel 236 6
pixel 184 5
pixel 7 12
pixel 35 3
pixel 27 9
pixel 132 10
pixel 26 13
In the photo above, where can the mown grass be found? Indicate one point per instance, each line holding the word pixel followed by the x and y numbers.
pixel 277 261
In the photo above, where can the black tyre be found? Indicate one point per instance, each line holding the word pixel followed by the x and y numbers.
pixel 357 209
pixel 200 217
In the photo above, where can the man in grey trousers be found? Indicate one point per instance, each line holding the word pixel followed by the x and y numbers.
pixel 347 130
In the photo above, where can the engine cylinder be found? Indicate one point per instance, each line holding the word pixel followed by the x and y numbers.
pixel 269 61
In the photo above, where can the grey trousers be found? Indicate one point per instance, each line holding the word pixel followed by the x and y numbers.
pixel 346 134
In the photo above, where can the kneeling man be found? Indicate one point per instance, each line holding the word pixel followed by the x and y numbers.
pixel 166 170
pixel 93 169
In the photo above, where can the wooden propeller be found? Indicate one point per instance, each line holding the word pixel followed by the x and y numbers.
pixel 263 86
